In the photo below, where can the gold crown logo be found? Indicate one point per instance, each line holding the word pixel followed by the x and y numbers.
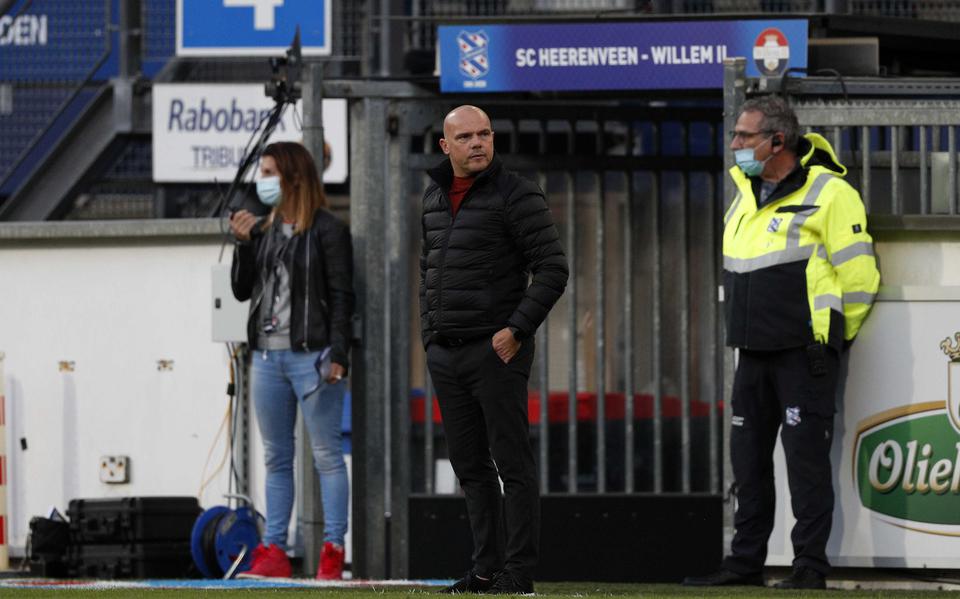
pixel 950 349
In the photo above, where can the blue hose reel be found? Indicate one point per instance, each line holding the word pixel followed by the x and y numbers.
pixel 223 540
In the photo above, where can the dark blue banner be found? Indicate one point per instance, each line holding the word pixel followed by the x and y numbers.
pixel 53 40
pixel 610 56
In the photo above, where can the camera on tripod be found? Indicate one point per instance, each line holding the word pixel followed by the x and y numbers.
pixel 285 89
pixel 284 85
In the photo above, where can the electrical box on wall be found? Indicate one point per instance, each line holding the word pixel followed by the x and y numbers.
pixel 229 315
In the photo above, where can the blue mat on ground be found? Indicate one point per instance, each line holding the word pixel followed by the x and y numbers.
pixel 273 583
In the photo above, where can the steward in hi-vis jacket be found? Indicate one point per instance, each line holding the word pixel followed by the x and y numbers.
pixel 799 277
pixel 798 268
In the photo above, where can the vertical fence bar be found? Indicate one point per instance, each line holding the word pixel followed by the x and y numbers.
pixel 601 337
pixel 924 174
pixel 952 168
pixel 684 332
pixel 542 344
pixel 428 460
pixel 572 321
pixel 628 414
pixel 657 346
pixel 716 352
pixel 895 169
pixel 838 140
pixel 865 168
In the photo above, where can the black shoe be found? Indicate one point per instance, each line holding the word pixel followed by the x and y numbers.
pixel 470 583
pixel 511 583
pixel 724 577
pixel 803 578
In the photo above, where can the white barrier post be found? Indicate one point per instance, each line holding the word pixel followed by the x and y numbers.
pixel 4 553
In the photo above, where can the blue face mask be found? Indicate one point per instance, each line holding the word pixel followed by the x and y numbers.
pixel 747 161
pixel 268 190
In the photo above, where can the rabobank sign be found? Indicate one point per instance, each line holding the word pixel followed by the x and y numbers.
pixel 205 117
pixel 200 132
pixel 252 27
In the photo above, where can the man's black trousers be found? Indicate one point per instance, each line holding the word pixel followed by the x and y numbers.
pixel 782 391
pixel 484 407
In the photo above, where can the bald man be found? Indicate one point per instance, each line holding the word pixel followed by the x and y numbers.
pixel 486 230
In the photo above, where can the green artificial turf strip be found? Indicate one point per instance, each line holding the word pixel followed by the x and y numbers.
pixel 567 589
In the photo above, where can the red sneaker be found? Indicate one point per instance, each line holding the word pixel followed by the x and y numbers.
pixel 268 562
pixel 331 562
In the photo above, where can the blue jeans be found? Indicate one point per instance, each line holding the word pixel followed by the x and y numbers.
pixel 282 379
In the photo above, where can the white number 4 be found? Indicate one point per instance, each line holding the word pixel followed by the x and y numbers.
pixel 263 11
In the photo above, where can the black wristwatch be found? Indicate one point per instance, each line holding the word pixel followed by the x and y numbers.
pixel 516 333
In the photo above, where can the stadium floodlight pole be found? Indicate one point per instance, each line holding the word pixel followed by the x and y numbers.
pixel 285 89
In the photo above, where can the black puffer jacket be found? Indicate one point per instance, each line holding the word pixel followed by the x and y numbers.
pixel 474 268
pixel 321 281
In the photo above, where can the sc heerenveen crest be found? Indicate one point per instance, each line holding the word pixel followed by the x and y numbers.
pixel 907 459
pixel 474 57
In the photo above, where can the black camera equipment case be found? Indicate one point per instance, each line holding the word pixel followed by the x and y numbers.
pixel 132 520
pixel 137 560
pixel 131 537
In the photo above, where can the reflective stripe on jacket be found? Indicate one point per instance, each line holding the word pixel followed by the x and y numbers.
pixel 801 268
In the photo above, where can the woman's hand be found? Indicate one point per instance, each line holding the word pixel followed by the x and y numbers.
pixel 241 223
pixel 336 373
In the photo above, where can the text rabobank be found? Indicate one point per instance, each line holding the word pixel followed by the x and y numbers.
pixel 204 117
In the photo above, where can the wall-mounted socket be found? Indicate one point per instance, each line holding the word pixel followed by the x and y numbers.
pixel 115 469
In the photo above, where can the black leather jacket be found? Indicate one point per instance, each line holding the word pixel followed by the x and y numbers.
pixel 475 266
pixel 321 281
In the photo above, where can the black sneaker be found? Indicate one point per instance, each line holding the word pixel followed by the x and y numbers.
pixel 803 578
pixel 470 583
pixel 724 577
pixel 511 583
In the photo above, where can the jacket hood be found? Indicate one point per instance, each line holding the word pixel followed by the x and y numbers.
pixel 812 150
pixel 815 150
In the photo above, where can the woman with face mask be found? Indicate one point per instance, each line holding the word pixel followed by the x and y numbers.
pixel 296 268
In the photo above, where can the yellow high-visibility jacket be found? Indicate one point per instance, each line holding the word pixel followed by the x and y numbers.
pixel 801 268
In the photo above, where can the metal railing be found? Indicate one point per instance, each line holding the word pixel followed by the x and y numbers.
pixel 897 137
pixel 624 391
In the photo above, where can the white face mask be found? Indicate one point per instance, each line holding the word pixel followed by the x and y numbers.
pixel 268 190
pixel 747 161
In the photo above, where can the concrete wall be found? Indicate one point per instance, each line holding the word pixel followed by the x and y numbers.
pixel 88 311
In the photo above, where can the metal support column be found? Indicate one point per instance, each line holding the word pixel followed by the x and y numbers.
pixel 368 214
pixel 310 508
pixel 734 94
pixel 400 236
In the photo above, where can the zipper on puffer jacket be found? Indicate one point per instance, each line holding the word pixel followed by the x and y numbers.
pixel 446 243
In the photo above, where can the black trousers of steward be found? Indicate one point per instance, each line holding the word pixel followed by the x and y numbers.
pixel 484 407
pixel 777 391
